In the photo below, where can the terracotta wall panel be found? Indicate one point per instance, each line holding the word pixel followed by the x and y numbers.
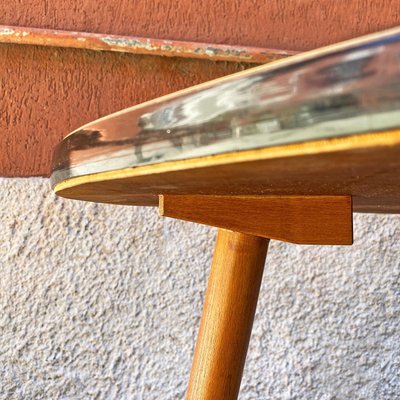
pixel 285 24
pixel 47 92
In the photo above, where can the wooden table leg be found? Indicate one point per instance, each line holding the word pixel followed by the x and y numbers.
pixel 228 314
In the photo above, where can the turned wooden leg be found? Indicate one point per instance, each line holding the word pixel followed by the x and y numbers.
pixel 237 269
pixel 228 314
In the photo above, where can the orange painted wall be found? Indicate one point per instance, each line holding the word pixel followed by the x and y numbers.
pixel 47 92
pixel 285 24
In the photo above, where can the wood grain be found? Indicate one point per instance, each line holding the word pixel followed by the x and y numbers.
pixel 296 219
pixel 228 314
pixel 363 166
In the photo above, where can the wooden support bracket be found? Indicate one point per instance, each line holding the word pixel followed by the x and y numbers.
pixel 248 222
pixel 323 220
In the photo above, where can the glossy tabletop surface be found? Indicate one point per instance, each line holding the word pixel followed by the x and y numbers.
pixel 323 122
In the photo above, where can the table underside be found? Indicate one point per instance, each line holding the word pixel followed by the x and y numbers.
pixel 326 122
pixel 363 166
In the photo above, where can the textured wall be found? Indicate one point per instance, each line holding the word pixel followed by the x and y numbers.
pixel 48 92
pixel 104 302
pixel 285 24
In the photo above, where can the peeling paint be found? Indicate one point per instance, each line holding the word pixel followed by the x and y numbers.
pixel 127 42
pixel 167 47
pixel 139 45
pixel 6 31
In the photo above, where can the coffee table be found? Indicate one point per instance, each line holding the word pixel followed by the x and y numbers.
pixel 285 151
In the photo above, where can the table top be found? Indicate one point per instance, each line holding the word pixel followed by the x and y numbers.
pixel 325 122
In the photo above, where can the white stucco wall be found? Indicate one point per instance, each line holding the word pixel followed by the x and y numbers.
pixel 104 302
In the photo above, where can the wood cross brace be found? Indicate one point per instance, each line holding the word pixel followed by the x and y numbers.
pixel 322 220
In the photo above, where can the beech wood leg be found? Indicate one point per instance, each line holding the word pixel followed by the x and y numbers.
pixel 228 314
